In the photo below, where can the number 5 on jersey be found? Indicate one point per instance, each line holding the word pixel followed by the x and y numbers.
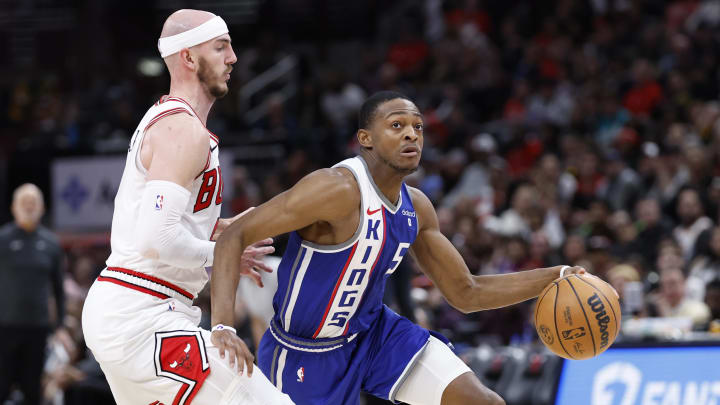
pixel 399 254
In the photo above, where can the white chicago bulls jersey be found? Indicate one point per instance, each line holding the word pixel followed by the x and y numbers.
pixel 200 217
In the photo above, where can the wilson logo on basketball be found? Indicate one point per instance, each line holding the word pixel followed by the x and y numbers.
pixel 597 306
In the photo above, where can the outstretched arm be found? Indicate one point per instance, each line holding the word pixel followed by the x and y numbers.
pixel 440 261
pixel 324 195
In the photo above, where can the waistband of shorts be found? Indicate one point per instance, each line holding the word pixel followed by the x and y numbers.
pixel 308 345
pixel 145 283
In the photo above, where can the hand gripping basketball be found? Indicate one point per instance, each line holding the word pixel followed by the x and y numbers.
pixel 568 270
pixel 227 341
pixel 577 316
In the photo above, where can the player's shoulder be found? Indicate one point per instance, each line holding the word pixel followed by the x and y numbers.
pixel 424 208
pixel 335 180
pixel 419 199
pixel 180 127
pixel 334 185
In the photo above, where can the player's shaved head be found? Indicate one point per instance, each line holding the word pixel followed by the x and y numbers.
pixel 183 20
pixel 197 51
pixel 179 22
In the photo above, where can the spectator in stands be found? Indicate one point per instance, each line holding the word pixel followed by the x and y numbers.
pixel 626 280
pixel 625 234
pixel 554 184
pixel 475 180
pixel 646 92
pixel 651 228
pixel 341 100
pixel 706 265
pixel 623 184
pixel 693 221
pixel 671 301
pixel 30 271
pixel 554 103
pixel 574 250
pixel 516 220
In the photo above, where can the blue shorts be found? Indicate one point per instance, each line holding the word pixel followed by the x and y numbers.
pixel 335 370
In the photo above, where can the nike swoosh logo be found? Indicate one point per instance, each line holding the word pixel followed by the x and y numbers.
pixel 213 148
pixel 373 212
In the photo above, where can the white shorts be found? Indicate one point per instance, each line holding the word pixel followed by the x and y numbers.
pixel 433 371
pixel 153 352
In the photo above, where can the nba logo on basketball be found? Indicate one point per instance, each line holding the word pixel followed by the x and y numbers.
pixel 158 202
pixel 301 374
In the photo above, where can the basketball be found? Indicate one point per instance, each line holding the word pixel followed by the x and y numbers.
pixel 578 316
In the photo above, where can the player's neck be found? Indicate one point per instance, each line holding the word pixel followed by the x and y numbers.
pixel 196 96
pixel 386 178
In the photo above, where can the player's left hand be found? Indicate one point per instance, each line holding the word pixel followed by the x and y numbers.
pixel 251 260
pixel 229 343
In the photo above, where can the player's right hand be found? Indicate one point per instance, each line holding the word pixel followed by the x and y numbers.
pixel 228 342
pixel 251 260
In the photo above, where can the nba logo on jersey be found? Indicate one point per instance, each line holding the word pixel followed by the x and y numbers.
pixel 158 202
pixel 301 374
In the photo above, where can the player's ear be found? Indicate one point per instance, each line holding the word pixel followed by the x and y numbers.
pixel 364 138
pixel 187 58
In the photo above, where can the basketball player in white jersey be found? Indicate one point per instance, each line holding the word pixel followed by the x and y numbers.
pixel 350 225
pixel 138 318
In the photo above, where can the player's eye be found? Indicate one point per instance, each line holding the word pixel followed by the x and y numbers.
pixel 419 127
pixel 396 125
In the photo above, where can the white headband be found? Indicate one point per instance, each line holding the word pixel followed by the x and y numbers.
pixel 204 32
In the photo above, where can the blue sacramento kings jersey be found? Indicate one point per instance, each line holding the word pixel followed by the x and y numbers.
pixel 332 291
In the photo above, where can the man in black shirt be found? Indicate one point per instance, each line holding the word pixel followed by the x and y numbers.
pixel 30 266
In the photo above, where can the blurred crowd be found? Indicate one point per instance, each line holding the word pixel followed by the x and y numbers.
pixel 582 132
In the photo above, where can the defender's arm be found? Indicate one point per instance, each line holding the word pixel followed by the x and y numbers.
pixel 174 151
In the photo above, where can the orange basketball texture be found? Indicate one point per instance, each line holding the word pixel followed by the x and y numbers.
pixel 577 317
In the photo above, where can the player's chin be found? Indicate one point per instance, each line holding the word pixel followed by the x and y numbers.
pixel 220 90
pixel 407 167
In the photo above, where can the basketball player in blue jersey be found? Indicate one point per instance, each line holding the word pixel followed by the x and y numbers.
pixel 351 225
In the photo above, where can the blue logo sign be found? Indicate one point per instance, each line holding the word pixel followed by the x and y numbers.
pixel 74 194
